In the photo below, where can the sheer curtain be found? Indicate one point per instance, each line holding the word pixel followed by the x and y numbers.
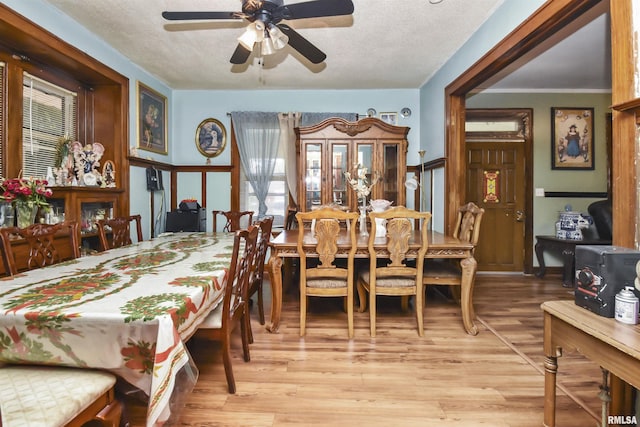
pixel 258 137
pixel 289 121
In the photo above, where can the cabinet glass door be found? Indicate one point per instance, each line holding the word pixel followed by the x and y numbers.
pixel 364 159
pixel 92 212
pixel 390 173
pixel 313 175
pixel 339 165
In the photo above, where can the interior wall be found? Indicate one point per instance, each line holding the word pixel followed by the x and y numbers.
pixel 545 209
pixel 187 109
pixel 432 107
pixel 51 19
pixel 191 107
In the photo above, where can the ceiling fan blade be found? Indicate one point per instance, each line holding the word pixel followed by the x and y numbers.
pixel 186 16
pixel 317 8
pixel 303 45
pixel 240 55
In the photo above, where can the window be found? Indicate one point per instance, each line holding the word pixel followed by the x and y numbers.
pixel 278 197
pixel 49 113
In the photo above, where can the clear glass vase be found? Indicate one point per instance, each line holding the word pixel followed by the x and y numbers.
pixel 26 214
pixel 7 216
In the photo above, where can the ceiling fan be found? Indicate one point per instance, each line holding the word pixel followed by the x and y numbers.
pixel 265 28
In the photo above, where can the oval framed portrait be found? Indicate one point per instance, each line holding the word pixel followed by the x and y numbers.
pixel 211 137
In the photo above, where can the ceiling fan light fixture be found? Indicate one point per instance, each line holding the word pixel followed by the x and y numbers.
pixel 254 34
pixel 278 38
pixel 267 47
pixel 248 39
pixel 264 17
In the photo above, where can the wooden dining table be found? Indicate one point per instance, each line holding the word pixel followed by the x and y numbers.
pixel 128 311
pixel 284 248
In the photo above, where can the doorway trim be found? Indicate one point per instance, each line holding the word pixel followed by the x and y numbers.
pixel 551 18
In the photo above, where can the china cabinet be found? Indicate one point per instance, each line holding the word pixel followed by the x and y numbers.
pixel 327 150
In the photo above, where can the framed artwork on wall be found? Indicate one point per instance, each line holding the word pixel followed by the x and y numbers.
pixel 211 137
pixel 572 138
pixel 391 118
pixel 152 120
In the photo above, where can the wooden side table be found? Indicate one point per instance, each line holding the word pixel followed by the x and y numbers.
pixel 613 345
pixel 567 249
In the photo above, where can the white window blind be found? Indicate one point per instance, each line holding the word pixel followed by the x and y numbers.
pixel 49 112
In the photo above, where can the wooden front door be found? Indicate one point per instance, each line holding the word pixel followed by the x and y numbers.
pixel 496 181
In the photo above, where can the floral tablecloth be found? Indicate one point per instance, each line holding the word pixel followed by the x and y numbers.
pixel 126 310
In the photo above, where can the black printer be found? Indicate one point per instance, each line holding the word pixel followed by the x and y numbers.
pixel 189 217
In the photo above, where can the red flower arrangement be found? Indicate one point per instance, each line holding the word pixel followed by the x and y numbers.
pixel 30 191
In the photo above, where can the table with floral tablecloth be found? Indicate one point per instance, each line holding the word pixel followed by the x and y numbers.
pixel 127 310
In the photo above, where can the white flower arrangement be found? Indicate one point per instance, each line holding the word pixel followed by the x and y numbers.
pixel 360 184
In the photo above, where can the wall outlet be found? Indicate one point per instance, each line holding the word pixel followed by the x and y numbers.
pixel 539 192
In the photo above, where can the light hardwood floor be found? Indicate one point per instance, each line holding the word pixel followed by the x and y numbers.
pixel 447 378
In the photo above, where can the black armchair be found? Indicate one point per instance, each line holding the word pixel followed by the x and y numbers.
pixel 600 211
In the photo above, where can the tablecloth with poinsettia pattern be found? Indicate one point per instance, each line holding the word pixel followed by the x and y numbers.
pixel 126 310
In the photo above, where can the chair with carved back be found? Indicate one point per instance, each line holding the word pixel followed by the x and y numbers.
pixel 447 271
pixel 391 271
pixel 258 271
pixel 325 278
pixel 234 220
pixel 234 309
pixel 46 244
pixel 116 232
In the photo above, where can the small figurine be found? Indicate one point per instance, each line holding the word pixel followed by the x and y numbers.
pixel 87 162
pixel 109 174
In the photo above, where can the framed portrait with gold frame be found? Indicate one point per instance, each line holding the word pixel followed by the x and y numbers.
pixel 152 120
pixel 211 138
pixel 572 143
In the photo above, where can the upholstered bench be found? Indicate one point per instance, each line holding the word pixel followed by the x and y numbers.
pixel 42 396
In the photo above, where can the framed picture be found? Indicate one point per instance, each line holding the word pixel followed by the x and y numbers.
pixel 572 138
pixel 211 137
pixel 391 118
pixel 152 120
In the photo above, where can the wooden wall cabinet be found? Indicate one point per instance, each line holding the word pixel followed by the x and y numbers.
pixel 103 109
pixel 86 205
pixel 327 150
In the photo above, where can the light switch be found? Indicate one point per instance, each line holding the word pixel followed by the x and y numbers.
pixel 539 192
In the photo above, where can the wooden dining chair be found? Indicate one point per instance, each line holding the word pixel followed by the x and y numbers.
pixel 234 309
pixel 258 271
pixel 116 232
pixel 58 396
pixel 448 271
pixel 46 244
pixel 325 278
pixel 389 271
pixel 234 220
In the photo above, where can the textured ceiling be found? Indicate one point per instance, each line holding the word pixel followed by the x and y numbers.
pixel 385 44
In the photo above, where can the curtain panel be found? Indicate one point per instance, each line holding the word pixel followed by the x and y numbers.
pixel 258 137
